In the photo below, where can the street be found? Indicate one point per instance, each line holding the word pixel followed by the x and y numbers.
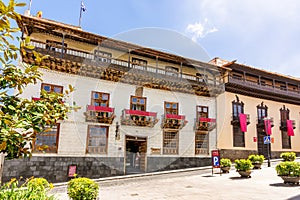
pixel 263 184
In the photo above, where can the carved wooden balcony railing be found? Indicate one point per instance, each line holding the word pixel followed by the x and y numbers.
pixel 113 69
pixel 171 121
pixel 99 114
pixel 261 122
pixel 205 124
pixel 264 87
pixel 138 118
pixel 283 125
pixel 236 119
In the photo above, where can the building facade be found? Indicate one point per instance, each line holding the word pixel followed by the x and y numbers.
pixel 142 110
pixel 256 104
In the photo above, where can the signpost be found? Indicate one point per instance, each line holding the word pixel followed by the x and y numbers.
pixel 215 156
pixel 267 141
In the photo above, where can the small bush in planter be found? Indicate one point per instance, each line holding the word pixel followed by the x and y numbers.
pixel 254 158
pixel 225 162
pixel 288 168
pixel 243 165
pixel 82 189
pixel 288 156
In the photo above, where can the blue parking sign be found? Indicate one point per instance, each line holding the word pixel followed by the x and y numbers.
pixel 215 159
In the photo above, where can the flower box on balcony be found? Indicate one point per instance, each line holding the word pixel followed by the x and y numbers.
pixel 100 114
pixel 171 121
pixel 138 118
pixel 206 124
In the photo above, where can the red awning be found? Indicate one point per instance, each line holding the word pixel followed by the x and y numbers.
pixel 171 116
pixel 203 119
pixel 100 108
pixel 140 113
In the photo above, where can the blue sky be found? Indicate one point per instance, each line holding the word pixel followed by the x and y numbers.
pixel 264 34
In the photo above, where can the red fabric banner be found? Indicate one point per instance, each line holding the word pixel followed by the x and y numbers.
pixel 203 119
pixel 171 116
pixel 243 122
pixel 290 130
pixel 268 127
pixel 140 113
pixel 100 108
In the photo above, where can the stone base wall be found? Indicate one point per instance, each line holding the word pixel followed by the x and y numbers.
pixel 55 169
pixel 171 163
pixel 236 154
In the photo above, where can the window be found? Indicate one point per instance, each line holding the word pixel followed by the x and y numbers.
pixel 55 46
pixel 138 103
pixel 97 139
pixel 201 143
pixel 139 63
pixel 170 142
pixel 202 111
pixel 100 99
pixel 102 56
pixel 262 112
pixel 172 71
pixel 171 108
pixel 237 76
pixel 238 137
pixel 285 139
pixel 47 141
pixel 52 88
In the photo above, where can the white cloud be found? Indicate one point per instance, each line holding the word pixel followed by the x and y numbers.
pixel 200 30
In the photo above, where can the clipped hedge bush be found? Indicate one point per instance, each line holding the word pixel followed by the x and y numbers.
pixel 243 165
pixel 32 189
pixel 288 156
pixel 254 158
pixel 288 168
pixel 225 162
pixel 83 189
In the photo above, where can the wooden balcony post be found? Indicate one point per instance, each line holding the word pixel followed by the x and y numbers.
pixel 62 45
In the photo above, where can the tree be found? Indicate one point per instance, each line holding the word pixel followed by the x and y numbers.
pixel 21 119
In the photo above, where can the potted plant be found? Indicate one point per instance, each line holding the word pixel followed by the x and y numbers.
pixel 256 160
pixel 243 167
pixel 288 156
pixel 225 165
pixel 289 171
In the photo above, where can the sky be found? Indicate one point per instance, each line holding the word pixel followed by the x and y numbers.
pixel 263 34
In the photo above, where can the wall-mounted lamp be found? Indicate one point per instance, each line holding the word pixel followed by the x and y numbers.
pixel 117 135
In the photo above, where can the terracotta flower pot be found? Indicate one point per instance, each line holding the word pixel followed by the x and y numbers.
pixel 245 174
pixel 292 180
pixel 225 169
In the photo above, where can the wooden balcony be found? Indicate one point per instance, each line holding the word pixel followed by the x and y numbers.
pixel 259 90
pixel 261 122
pixel 205 124
pixel 99 114
pixel 108 68
pixel 283 125
pixel 171 121
pixel 138 118
pixel 235 121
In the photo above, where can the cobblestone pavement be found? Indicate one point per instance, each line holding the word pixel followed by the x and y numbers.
pixel 263 184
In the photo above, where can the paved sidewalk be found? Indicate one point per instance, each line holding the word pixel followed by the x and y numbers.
pixel 194 185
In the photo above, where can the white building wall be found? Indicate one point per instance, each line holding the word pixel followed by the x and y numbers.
pixel 73 131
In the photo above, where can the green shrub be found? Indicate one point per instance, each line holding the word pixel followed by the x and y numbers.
pixel 243 165
pixel 288 168
pixel 82 189
pixel 254 158
pixel 225 162
pixel 288 156
pixel 32 189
